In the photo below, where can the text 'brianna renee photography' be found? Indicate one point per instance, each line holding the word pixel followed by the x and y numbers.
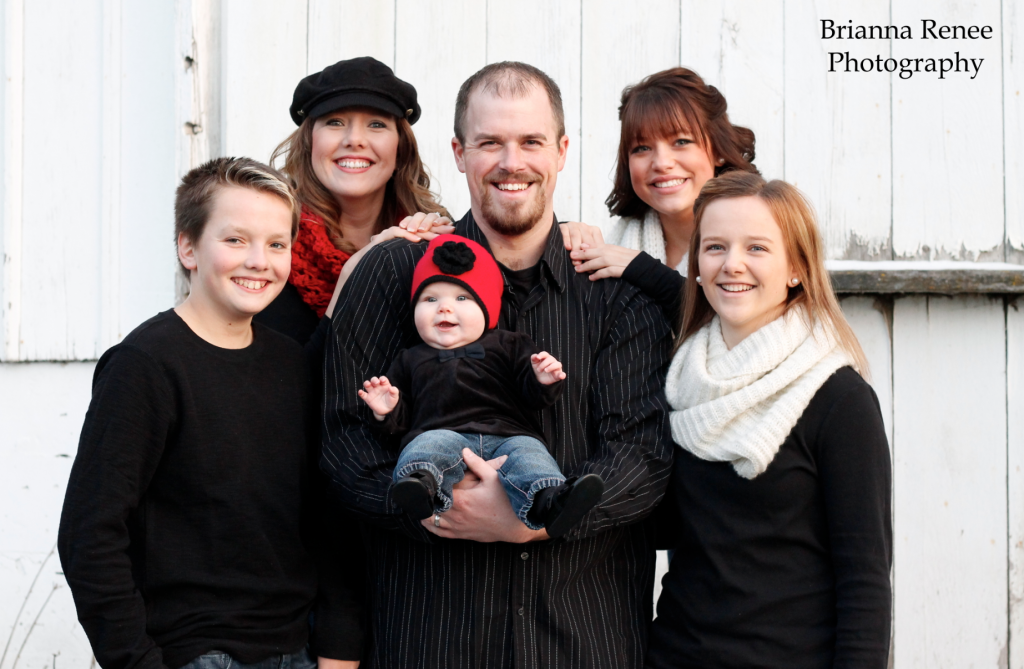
pixel 955 63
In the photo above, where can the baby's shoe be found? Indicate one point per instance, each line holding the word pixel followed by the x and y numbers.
pixel 415 493
pixel 561 507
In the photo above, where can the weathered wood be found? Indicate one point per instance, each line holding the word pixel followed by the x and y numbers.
pixel 439 44
pixel 1013 129
pixel 842 164
pixel 547 35
pixel 736 47
pixel 11 214
pixel 334 35
pixel 947 140
pixel 935 278
pixel 870 318
pixel 1015 478
pixel 622 43
pixel 949 358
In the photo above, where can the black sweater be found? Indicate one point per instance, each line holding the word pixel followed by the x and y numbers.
pixel 497 394
pixel 190 513
pixel 789 569
pixel 659 282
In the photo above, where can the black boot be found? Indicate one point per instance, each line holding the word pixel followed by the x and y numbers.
pixel 565 505
pixel 415 493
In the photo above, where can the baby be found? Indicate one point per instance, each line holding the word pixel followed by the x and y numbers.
pixel 472 386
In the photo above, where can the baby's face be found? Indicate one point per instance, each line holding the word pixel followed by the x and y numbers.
pixel 447 316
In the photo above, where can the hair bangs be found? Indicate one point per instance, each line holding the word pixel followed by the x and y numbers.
pixel 657 113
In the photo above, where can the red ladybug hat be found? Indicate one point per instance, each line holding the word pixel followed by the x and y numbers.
pixel 462 261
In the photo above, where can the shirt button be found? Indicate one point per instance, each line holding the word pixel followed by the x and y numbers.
pixel 521 610
pixel 525 555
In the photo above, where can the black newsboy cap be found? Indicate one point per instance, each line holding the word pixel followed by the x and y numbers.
pixel 359 82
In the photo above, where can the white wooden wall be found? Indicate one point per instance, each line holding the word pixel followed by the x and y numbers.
pixel 102 112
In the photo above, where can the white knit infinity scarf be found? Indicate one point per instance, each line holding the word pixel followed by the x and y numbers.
pixel 739 406
pixel 642 235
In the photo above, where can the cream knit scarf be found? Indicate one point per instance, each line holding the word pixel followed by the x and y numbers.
pixel 739 406
pixel 642 235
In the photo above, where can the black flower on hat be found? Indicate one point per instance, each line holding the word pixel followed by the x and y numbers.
pixel 454 258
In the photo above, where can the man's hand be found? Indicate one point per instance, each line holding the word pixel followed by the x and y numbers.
pixel 546 368
pixel 481 510
pixel 328 663
pixel 379 395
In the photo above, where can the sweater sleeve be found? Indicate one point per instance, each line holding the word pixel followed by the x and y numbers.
pixel 660 282
pixel 856 482
pixel 537 395
pixel 123 439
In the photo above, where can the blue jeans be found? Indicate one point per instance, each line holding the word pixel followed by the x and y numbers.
pixel 216 659
pixel 529 468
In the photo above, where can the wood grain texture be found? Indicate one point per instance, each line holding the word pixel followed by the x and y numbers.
pixel 870 319
pixel 949 478
pixel 263 58
pixel 342 29
pixel 1013 127
pixel 947 140
pixel 12 84
pixel 838 129
pixel 736 46
pixel 1015 476
pixel 622 43
pixel 439 44
pixel 547 35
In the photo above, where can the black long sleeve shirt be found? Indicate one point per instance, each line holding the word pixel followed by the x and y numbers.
pixel 660 282
pixel 191 514
pixel 580 601
pixel 791 568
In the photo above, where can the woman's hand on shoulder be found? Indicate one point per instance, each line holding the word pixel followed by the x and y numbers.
pixel 602 260
pixel 423 226
pixel 575 234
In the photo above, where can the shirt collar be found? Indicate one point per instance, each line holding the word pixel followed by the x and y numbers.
pixel 553 258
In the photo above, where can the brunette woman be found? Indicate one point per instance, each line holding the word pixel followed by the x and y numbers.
pixel 357 171
pixel 782 480
pixel 675 135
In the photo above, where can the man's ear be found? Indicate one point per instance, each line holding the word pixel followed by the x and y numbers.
pixel 187 252
pixel 459 151
pixel 563 151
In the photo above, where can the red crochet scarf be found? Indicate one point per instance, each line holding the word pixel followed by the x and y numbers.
pixel 316 263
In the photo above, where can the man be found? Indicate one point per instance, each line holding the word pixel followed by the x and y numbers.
pixel 505 595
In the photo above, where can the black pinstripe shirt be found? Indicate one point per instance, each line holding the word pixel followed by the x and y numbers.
pixel 580 601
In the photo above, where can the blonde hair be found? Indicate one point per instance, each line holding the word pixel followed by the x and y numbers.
pixel 804 249
pixel 407 192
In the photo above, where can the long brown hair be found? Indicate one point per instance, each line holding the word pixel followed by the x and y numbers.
pixel 669 103
pixel 804 249
pixel 407 192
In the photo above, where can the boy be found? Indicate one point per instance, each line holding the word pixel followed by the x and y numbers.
pixel 184 523
pixel 472 386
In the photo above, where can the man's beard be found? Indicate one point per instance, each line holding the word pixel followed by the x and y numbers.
pixel 514 219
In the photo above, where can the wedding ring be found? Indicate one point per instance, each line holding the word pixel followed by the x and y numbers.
pixel 437 520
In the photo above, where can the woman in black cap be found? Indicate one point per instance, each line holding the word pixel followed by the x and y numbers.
pixel 356 168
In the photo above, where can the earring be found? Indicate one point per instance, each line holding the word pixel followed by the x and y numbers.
pixel 698 279
pixel 794 281
pixel 721 161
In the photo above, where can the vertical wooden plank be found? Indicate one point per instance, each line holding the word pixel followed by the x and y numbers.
pixel 147 178
pixel 622 43
pixel 950 482
pixel 947 139
pixel 439 44
pixel 264 57
pixel 332 38
pixel 1013 125
pixel 838 129
pixel 736 47
pixel 13 86
pixel 1015 479
pixel 63 141
pixel 870 319
pixel 547 35
pixel 110 165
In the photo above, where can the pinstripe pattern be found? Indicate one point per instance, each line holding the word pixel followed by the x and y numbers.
pixel 584 601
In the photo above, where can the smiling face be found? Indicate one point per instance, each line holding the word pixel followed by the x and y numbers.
pixel 511 158
pixel 242 259
pixel 354 153
pixel 447 316
pixel 668 173
pixel 744 268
